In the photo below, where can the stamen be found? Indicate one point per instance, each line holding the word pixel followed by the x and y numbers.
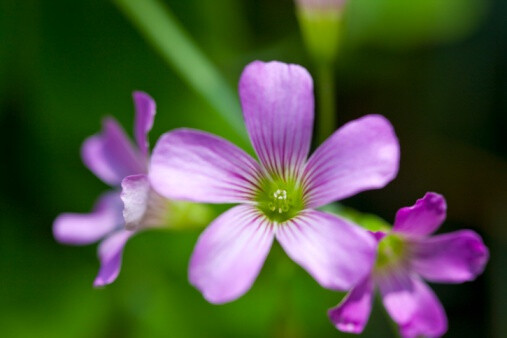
pixel 391 252
pixel 279 200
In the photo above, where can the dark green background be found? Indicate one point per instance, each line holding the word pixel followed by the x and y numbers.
pixel 438 74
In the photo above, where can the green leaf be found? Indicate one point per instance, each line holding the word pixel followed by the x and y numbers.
pixel 369 222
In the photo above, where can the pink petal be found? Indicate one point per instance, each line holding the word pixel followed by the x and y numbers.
pixel 361 155
pixel 230 253
pixel 335 252
pixel 197 166
pixel 110 155
pixel 450 258
pixel 352 314
pixel 429 319
pixel 424 217
pixel 80 229
pixel 398 294
pixel 135 196
pixel 145 114
pixel 110 256
pixel 277 102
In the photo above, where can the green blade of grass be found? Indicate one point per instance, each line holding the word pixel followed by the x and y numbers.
pixel 159 26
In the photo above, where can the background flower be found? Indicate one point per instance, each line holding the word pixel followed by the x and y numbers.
pixel 113 159
pixel 406 255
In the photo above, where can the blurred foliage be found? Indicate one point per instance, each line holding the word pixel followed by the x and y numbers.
pixel 406 24
pixel 367 221
pixel 65 64
pixel 159 26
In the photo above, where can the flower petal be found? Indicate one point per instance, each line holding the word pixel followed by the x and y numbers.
pixel 335 252
pixel 423 218
pixel 352 314
pixel 429 319
pixel 145 114
pixel 135 195
pixel 110 255
pixel 230 253
pixel 110 155
pixel 398 293
pixel 197 166
pixel 277 101
pixel 80 229
pixel 361 155
pixel 449 258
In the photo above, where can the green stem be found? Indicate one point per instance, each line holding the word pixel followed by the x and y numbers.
pixel 326 119
pixel 286 321
pixel 395 328
pixel 159 26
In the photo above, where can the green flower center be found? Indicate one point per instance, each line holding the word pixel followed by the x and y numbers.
pixel 391 251
pixel 280 200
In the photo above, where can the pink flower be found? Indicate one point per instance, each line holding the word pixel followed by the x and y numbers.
pixel 406 255
pixel 116 217
pixel 277 197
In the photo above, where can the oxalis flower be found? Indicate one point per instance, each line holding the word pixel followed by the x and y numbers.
pixel 116 217
pixel 278 196
pixel 406 255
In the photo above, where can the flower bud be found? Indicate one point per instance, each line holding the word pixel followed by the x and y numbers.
pixel 321 23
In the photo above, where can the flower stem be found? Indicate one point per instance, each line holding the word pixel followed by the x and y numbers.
pixel 159 26
pixel 326 119
pixel 392 324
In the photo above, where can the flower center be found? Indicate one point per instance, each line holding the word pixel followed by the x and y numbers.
pixel 391 252
pixel 280 200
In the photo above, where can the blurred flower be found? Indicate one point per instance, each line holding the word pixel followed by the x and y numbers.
pixel 277 197
pixel 406 254
pixel 321 24
pixel 112 158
